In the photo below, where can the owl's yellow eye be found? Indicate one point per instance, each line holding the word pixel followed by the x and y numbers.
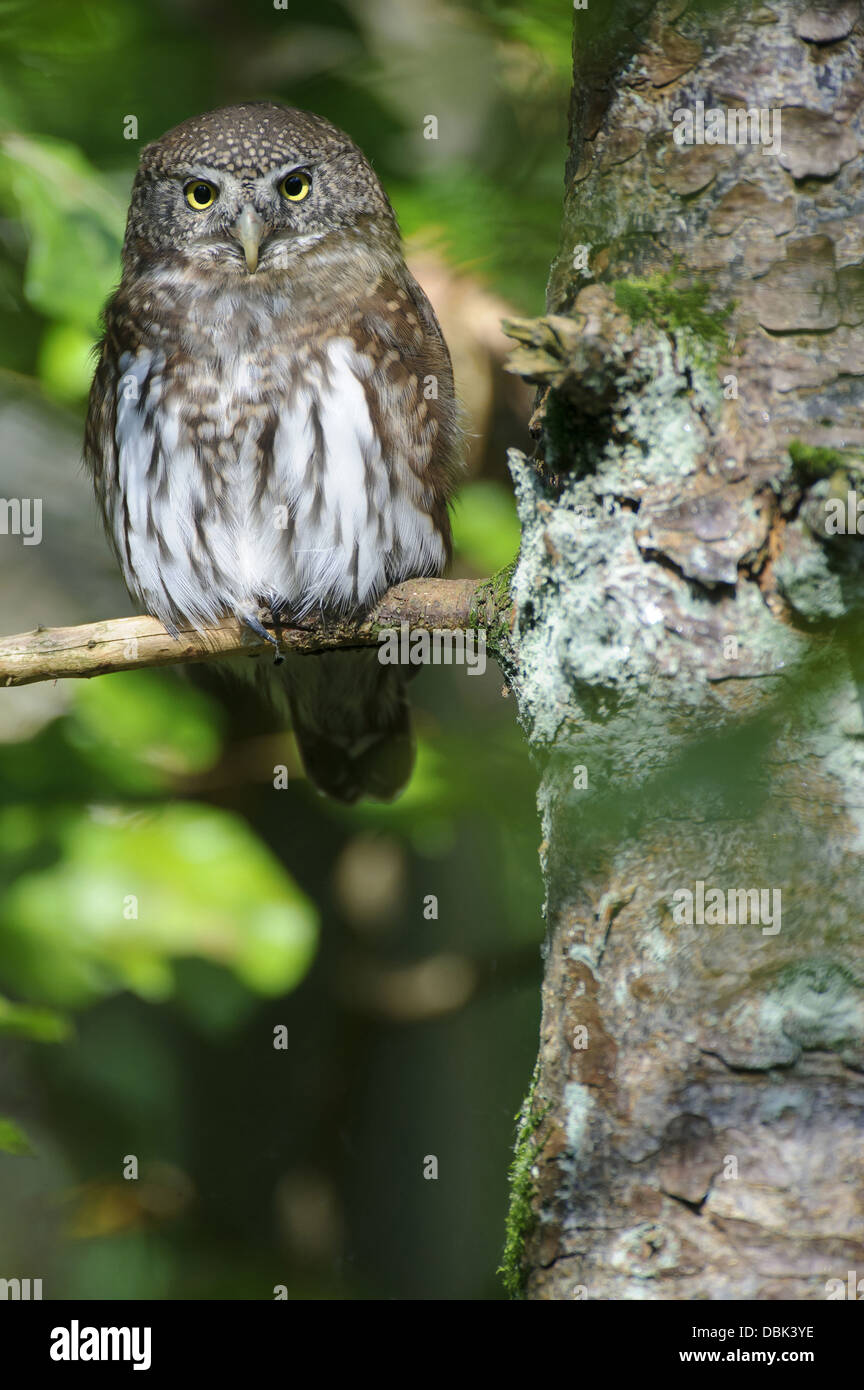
pixel 295 186
pixel 200 194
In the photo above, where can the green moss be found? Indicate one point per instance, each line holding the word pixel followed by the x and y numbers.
pixel 521 1216
pixel 662 300
pixel 500 585
pixel 494 597
pixel 812 461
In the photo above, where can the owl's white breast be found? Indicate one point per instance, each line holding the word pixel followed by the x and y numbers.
pixel 280 494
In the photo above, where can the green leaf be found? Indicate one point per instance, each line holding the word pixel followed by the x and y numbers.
pixel 133 891
pixel 66 361
pixel 74 222
pixel 41 1025
pixel 145 728
pixel 13 1140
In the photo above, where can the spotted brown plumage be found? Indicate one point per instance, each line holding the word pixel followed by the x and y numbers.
pixel 272 421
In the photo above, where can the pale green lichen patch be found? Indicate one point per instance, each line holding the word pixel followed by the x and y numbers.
pixel 820 574
pixel 813 1005
pixel 598 625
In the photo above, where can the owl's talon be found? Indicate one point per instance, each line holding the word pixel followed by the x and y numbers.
pixel 260 630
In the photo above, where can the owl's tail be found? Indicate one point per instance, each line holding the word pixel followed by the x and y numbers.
pixel 352 723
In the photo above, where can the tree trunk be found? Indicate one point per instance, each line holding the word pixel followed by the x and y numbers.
pixel 687 659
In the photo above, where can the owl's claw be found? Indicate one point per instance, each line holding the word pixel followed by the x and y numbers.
pixel 260 630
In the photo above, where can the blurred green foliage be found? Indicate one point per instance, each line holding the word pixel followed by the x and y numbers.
pixel 485 526
pixel 109 883
pixel 203 886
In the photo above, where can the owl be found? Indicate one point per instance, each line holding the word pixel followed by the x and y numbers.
pixel 272 423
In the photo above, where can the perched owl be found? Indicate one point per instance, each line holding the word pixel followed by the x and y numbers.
pixel 272 422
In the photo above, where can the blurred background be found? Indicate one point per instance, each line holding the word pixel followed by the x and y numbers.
pixel 278 1009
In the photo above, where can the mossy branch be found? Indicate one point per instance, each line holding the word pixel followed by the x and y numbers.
pixel 123 644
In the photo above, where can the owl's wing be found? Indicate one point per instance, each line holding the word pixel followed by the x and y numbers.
pixel 408 384
pixel 413 386
pixel 100 453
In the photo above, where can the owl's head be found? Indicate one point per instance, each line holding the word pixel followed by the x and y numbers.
pixel 246 189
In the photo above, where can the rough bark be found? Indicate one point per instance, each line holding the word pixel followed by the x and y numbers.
pixel 689 634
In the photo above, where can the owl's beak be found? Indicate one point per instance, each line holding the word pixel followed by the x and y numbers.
pixel 249 229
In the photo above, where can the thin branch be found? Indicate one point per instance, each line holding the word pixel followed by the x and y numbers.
pixel 123 644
